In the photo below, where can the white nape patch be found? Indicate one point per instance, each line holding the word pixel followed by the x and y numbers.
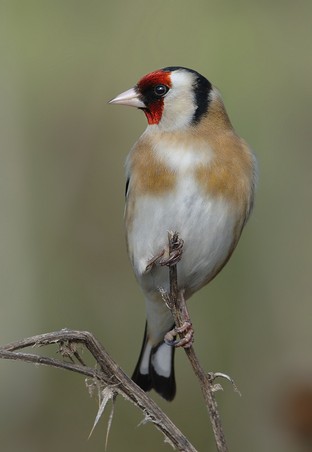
pixel 161 360
pixel 179 103
pixel 144 366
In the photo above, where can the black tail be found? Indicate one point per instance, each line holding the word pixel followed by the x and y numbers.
pixel 155 368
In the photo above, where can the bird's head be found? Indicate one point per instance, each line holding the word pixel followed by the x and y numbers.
pixel 171 98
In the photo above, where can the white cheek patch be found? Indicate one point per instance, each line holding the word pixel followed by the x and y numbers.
pixel 161 360
pixel 179 104
pixel 182 79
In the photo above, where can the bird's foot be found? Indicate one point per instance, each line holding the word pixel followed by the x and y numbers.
pixel 175 254
pixel 154 261
pixel 166 257
pixel 188 335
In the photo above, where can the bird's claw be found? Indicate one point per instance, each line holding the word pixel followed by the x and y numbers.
pixel 175 254
pixel 173 258
pixel 188 336
pixel 154 261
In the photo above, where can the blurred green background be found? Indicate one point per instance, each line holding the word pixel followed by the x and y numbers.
pixel 63 261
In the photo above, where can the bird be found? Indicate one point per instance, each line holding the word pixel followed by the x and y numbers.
pixel 188 172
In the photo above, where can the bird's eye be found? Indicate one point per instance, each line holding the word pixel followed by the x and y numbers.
pixel 161 90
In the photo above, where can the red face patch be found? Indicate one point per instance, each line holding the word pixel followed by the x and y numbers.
pixel 154 105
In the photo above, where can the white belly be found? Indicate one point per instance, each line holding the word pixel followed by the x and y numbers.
pixel 205 224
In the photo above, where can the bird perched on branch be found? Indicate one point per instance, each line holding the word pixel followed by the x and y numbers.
pixel 189 172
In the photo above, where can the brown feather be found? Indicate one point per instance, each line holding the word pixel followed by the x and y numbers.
pixel 149 175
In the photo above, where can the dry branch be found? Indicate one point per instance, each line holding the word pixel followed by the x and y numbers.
pixel 108 374
pixel 178 308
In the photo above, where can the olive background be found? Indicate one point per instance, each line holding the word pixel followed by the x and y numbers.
pixel 63 259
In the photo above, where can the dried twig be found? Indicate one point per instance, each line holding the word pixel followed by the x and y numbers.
pixel 177 305
pixel 109 374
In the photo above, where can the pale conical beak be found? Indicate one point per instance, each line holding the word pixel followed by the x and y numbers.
pixel 130 97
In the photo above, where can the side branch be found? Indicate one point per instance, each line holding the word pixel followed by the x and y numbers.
pixel 177 305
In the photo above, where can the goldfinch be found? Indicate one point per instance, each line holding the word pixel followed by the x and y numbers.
pixel 189 172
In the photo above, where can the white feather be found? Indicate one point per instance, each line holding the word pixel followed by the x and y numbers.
pixel 161 360
pixel 185 158
pixel 144 365
pixel 205 224
pixel 179 103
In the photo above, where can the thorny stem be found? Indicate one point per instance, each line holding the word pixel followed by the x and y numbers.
pixel 178 308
